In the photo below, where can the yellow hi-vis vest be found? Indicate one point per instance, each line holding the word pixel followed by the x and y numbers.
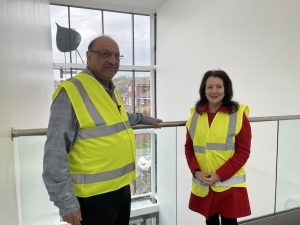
pixel 103 156
pixel 214 145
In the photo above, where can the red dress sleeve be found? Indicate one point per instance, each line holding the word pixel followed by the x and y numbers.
pixel 190 155
pixel 242 152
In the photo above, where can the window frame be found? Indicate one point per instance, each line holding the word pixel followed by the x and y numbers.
pixel 132 68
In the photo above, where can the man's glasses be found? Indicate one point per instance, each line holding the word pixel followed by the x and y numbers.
pixel 107 54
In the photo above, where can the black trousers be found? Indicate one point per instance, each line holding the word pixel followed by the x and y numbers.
pixel 214 220
pixel 111 208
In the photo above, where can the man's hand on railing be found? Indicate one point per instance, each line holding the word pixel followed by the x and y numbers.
pixel 156 123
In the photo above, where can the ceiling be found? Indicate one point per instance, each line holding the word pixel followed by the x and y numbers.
pixel 137 6
pixel 148 4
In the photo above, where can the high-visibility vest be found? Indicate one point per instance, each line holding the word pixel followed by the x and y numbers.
pixel 214 145
pixel 102 158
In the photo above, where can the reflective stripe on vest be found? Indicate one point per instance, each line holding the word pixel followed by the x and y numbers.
pixel 215 146
pixel 102 129
pixel 109 175
pixel 87 101
pixel 231 181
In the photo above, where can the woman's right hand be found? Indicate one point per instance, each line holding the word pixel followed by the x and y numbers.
pixel 202 177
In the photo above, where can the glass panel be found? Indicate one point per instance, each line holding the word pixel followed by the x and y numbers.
pixel 288 170
pixel 143 92
pixel 119 27
pixel 35 204
pixel 145 220
pixel 166 145
pixel 59 14
pixel 88 23
pixel 141 40
pixel 261 168
pixel 142 184
pixel 184 183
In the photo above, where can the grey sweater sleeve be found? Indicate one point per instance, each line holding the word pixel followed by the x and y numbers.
pixel 139 118
pixel 61 134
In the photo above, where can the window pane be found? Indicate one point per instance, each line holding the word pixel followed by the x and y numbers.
pixel 135 92
pixel 123 82
pixel 141 40
pixel 142 183
pixel 143 92
pixel 59 14
pixel 88 23
pixel 119 27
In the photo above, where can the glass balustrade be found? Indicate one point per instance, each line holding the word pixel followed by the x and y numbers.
pixel 34 204
pixel 288 167
pixel 261 168
pixel 164 180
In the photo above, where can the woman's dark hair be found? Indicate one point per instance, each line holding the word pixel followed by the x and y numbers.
pixel 228 91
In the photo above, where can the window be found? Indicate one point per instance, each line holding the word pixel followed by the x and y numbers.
pixel 135 79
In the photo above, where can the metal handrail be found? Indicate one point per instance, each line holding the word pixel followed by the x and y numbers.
pixel 43 131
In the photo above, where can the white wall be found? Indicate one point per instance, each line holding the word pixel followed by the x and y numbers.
pixel 256 42
pixel 25 87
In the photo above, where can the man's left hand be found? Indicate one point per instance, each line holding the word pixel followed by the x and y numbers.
pixel 156 123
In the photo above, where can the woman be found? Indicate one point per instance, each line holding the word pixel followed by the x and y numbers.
pixel 217 147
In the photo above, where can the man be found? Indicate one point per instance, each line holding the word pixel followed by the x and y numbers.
pixel 90 148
